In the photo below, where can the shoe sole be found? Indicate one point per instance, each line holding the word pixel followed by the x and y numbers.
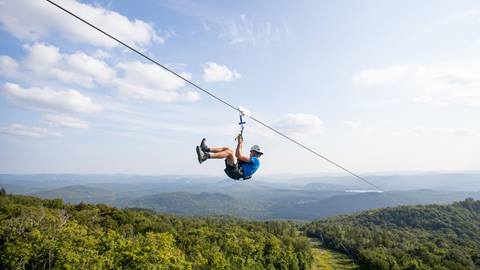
pixel 203 146
pixel 199 154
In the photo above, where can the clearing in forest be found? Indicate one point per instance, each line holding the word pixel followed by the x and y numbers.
pixel 326 259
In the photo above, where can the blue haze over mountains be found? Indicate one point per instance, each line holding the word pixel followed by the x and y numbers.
pixel 288 197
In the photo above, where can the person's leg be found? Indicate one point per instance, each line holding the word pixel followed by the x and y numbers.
pixel 226 153
pixel 206 149
pixel 217 149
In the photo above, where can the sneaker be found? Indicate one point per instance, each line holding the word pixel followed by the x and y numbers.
pixel 201 155
pixel 204 146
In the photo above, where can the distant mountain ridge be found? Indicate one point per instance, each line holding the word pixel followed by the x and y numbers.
pixel 200 204
pixel 461 181
pixel 73 192
pixel 263 204
pixel 356 202
pixel 256 198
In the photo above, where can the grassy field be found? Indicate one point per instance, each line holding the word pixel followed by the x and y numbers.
pixel 325 259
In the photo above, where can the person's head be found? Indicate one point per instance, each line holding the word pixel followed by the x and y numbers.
pixel 256 151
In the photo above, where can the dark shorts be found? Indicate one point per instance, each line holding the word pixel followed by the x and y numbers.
pixel 235 172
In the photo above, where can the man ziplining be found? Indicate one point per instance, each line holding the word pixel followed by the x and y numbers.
pixel 237 166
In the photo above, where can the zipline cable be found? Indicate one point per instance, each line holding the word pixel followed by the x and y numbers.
pixel 214 96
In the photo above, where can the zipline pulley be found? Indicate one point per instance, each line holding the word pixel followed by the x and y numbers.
pixel 242 123
pixel 243 113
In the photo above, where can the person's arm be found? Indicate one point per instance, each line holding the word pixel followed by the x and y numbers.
pixel 238 151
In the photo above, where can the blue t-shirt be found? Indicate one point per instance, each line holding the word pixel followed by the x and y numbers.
pixel 251 167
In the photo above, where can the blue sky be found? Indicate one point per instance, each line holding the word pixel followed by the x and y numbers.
pixel 374 85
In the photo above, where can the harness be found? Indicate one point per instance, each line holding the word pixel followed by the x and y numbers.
pixel 240 169
pixel 237 173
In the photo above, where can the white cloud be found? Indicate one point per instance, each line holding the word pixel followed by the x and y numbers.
pixel 101 54
pixel 34 20
pixel 430 76
pixel 142 93
pixel 8 66
pixel 81 63
pixel 151 75
pixel 430 100
pixel 245 31
pixel 439 84
pixel 58 120
pixel 46 62
pixel 423 99
pixel 133 79
pixel 300 123
pixel 22 130
pixel 353 124
pixel 472 16
pixel 213 72
pixel 471 98
pixel 149 82
pixel 446 131
pixel 383 76
pixel 48 99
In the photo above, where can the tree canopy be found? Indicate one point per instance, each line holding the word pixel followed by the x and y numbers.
pixel 407 237
pixel 48 234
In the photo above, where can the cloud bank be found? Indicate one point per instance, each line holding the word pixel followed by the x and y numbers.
pixel 441 84
pixel 35 20
pixel 33 132
pixel 300 124
pixel 213 72
pixel 49 99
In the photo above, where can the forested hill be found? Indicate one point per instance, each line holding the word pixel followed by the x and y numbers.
pixel 407 237
pixel 47 234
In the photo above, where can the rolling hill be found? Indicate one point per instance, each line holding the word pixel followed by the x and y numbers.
pixel 260 204
pixel 185 203
pixel 300 198
pixel 84 235
pixel 76 194
pixel 407 237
